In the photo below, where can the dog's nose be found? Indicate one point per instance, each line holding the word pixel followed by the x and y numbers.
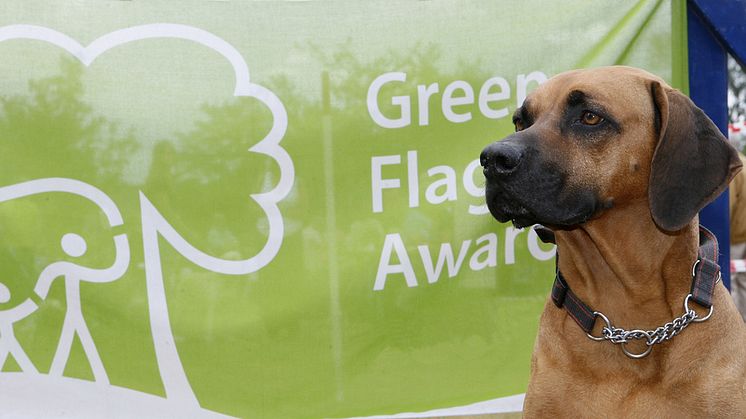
pixel 501 158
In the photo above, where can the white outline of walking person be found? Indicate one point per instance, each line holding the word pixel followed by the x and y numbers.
pixel 8 343
pixel 73 245
pixel 72 274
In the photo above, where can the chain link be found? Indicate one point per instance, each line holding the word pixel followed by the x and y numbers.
pixel 659 335
pixel 619 336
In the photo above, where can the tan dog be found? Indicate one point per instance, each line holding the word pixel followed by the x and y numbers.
pixel 617 164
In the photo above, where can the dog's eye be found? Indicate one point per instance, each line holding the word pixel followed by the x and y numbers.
pixel 518 124
pixel 590 118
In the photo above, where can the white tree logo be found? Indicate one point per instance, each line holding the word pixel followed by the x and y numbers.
pixel 179 394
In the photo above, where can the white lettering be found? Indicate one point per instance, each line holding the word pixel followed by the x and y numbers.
pixel 448 182
pixel 489 249
pixel 536 251
pixel 482 255
pixel 485 97
pixel 510 235
pixel 443 185
pixel 394 244
pixel 472 188
pixel 413 179
pixel 378 184
pixel 449 101
pixel 402 102
pixel 457 93
pixel 444 257
pixel 423 101
pixel 523 81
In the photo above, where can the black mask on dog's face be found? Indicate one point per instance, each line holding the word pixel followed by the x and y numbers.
pixel 588 140
pixel 526 188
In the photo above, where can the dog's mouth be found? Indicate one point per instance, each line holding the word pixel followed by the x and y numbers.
pixel 504 210
pixel 522 217
pixel 550 205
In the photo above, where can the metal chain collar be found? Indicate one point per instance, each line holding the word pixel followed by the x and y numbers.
pixel 661 334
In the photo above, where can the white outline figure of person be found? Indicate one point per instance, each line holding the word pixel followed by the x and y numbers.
pixel 75 246
pixel 8 343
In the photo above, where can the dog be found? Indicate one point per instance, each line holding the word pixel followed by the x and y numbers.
pixel 615 164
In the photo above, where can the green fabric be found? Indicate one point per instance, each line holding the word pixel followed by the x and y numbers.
pixel 306 334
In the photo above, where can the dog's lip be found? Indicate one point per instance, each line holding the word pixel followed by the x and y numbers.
pixel 522 223
pixel 506 206
pixel 522 215
pixel 519 215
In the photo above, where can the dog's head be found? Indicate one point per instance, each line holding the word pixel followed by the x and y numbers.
pixel 590 140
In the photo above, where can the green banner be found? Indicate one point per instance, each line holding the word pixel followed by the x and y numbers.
pixel 276 209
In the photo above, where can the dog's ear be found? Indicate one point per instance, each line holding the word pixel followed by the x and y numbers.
pixel 692 164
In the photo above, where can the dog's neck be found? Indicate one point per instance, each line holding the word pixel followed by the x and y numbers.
pixel 624 266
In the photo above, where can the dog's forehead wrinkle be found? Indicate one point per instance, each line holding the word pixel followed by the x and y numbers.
pixel 517 114
pixel 525 112
pixel 614 90
pixel 577 97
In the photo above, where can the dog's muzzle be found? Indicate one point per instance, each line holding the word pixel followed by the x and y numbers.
pixel 526 187
pixel 504 166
